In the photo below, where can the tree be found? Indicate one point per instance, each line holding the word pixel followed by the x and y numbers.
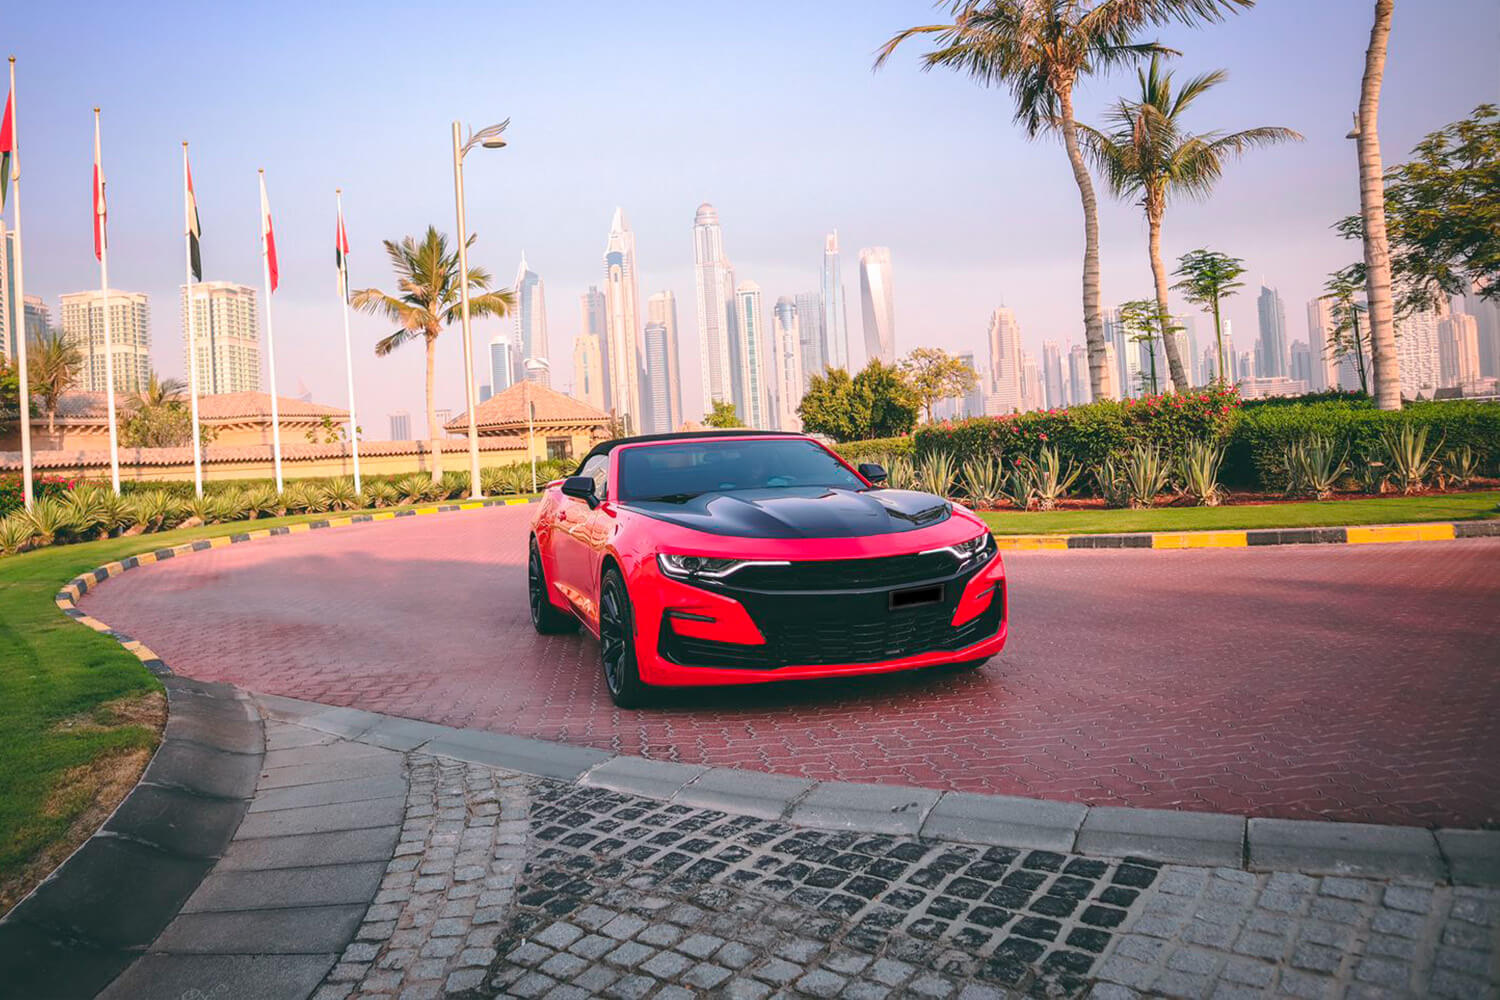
pixel 884 400
pixel 1039 50
pixel 827 406
pixel 934 375
pixel 10 393
pixel 1372 208
pixel 427 276
pixel 1208 277
pixel 1142 322
pixel 1442 213
pixel 1341 289
pixel 1149 155
pixel 160 417
pixel 723 415
pixel 53 366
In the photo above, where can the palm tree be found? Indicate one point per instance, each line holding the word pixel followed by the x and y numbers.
pixel 159 392
pixel 1039 50
pixel 54 363
pixel 159 417
pixel 1209 277
pixel 1149 155
pixel 427 276
pixel 1372 207
pixel 1341 289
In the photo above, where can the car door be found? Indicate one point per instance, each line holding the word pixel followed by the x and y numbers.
pixel 572 548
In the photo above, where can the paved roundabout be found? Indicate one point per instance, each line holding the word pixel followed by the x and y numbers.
pixel 1335 682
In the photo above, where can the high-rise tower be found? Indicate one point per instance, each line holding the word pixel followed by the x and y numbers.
pixel 1004 395
pixel 594 325
pixel 787 345
pixel 530 338
pixel 715 290
pixel 750 324
pixel 661 309
pixel 226 334
pixel 1271 348
pixel 877 304
pixel 623 323
pixel 810 329
pixel 130 337
pixel 835 350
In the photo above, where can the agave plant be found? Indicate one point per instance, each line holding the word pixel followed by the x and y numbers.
pixel 1018 487
pixel 230 505
pixel 87 511
pixel 379 494
pixel 937 472
pixel 1315 465
pixel 296 499
pixel 16 533
pixel 1050 480
pixel 984 481
pixel 1460 465
pixel 1136 479
pixel 1411 461
pixel 452 485
pixel 204 508
pixel 263 501
pixel 412 488
pixel 115 512
pixel 156 510
pixel 1109 480
pixel 1198 472
pixel 901 474
pixel 49 517
pixel 339 493
pixel 490 480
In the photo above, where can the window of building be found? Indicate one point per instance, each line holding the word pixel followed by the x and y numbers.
pixel 560 447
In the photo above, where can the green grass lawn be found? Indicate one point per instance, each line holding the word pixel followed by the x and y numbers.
pixel 1378 510
pixel 57 680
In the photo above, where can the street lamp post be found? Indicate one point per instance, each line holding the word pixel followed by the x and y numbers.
pixel 489 138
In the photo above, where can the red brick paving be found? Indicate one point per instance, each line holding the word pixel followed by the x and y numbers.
pixel 1342 682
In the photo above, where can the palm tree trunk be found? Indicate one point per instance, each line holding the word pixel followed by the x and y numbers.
pixel 1372 205
pixel 1359 357
pixel 432 437
pixel 1219 337
pixel 1093 321
pixel 1174 357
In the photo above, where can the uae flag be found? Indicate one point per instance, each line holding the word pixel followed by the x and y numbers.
pixel 101 213
pixel 7 146
pixel 341 256
pixel 268 236
pixel 194 230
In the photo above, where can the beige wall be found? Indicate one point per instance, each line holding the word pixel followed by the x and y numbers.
pixel 291 468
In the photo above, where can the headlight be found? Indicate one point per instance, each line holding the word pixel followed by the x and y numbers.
pixel 684 567
pixel 974 547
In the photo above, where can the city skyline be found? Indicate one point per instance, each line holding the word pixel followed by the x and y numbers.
pixel 1301 65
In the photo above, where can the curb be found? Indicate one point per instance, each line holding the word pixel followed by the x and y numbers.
pixel 1314 847
pixel 1429 531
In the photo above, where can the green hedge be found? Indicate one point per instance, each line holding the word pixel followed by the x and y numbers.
pixel 875 448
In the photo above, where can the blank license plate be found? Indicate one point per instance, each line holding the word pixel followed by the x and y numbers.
pixel 916 597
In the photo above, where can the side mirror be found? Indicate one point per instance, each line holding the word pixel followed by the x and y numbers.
pixel 581 488
pixel 874 472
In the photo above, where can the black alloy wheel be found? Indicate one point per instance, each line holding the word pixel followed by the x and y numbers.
pixel 545 617
pixel 617 643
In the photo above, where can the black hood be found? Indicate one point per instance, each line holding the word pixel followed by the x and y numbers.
pixel 801 512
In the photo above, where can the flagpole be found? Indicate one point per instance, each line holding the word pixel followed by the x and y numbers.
pixel 23 399
pixel 192 337
pixel 338 194
pixel 265 255
pixel 101 224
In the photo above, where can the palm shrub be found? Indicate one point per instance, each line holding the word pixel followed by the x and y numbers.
pixel 116 512
pixel 156 510
pixel 984 481
pixel 296 499
pixel 937 472
pixel 339 493
pixel 515 479
pixel 16 533
pixel 87 511
pixel 1051 481
pixel 1198 472
pixel 412 488
pixel 454 485
pixel 1315 465
pixel 49 518
pixel 1459 465
pixel 204 508
pixel 1411 461
pixel 490 480
pixel 379 494
pixel 230 505
pixel 263 501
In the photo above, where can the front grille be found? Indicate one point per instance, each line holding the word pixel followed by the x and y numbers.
pixel 809 576
pixel 838 628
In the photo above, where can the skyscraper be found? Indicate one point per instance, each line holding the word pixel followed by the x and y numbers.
pixel 1486 313
pixel 1271 348
pixel 623 323
pixel 129 336
pixel 1458 350
pixel 835 351
pixel 657 418
pixel 1300 366
pixel 972 405
pixel 810 324
pixel 502 364
pixel 226 336
pixel 750 326
pixel 1127 373
pixel 7 291
pixel 787 347
pixel 715 290
pixel 1417 353
pixel 1078 375
pixel 530 338
pixel 877 304
pixel 1320 337
pixel 1004 390
pixel 595 324
pixel 588 370
pixel 662 308
pixel 1033 395
pixel 1053 379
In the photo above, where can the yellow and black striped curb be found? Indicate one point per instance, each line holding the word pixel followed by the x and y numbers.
pixel 67 597
pixel 1352 535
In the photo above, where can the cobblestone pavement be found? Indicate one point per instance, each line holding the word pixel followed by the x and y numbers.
pixel 1339 682
pixel 504 885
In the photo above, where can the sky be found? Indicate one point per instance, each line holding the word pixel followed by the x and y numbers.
pixel 770 111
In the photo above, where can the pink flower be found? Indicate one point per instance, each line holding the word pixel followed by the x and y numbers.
pixel 1043 435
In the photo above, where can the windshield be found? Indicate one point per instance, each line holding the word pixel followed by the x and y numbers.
pixel 683 470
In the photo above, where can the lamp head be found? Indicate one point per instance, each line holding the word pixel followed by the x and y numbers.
pixel 494 142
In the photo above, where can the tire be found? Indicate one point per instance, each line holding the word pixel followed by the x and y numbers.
pixel 622 676
pixel 545 617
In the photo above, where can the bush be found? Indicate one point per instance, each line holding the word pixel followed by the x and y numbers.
pixel 874 449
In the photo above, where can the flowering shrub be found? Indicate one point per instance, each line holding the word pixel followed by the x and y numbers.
pixel 11 490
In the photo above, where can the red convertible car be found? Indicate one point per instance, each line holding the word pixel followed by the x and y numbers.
pixel 733 557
